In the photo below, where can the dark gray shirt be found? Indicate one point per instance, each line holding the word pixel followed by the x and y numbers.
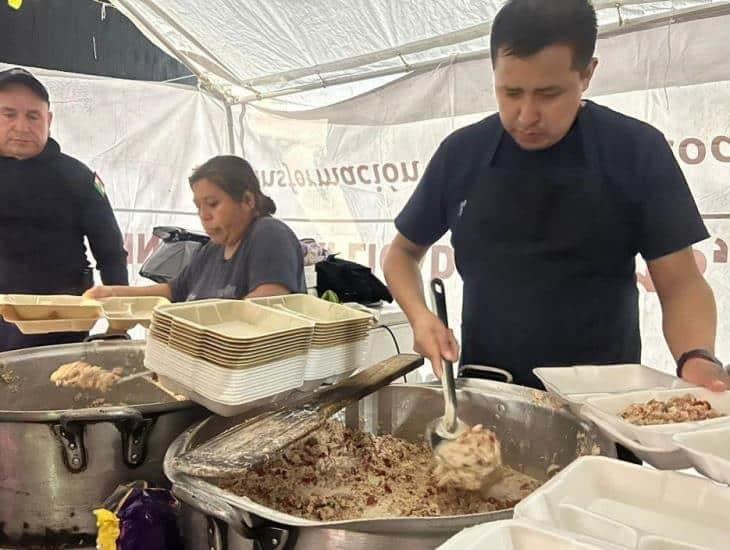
pixel 269 254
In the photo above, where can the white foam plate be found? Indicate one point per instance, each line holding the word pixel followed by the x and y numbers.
pixel 630 505
pixel 708 451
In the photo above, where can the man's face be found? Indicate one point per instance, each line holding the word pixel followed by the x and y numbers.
pixel 539 96
pixel 24 122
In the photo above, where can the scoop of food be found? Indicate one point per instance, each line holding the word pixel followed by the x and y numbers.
pixel 686 408
pixel 472 461
pixel 87 377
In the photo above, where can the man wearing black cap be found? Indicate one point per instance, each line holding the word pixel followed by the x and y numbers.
pixel 49 202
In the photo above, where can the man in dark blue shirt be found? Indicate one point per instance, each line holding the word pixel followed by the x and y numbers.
pixel 49 202
pixel 549 201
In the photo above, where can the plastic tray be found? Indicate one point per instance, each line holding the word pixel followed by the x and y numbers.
pixel 519 535
pixel 606 410
pixel 708 451
pixel 631 506
pixel 578 383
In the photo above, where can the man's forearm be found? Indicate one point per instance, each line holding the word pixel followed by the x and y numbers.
pixel 690 318
pixel 403 275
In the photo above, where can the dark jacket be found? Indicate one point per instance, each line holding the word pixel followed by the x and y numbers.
pixel 48 204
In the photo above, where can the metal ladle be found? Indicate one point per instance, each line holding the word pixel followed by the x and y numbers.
pixel 449 426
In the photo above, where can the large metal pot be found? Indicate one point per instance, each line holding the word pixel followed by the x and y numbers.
pixel 538 433
pixel 59 458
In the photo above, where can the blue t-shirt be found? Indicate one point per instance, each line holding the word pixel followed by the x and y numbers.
pixel 269 254
pixel 633 157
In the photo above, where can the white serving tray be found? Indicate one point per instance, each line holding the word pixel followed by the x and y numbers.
pixel 576 384
pixel 606 410
pixel 708 451
pixel 631 506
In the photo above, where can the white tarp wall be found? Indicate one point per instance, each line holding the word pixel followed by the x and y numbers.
pixel 342 173
pixel 143 140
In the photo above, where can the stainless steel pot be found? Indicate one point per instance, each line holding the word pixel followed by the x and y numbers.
pixel 537 432
pixel 59 458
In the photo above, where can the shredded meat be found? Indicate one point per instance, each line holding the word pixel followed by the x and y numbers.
pixel 338 474
pixel 470 462
pixel 87 377
pixel 686 408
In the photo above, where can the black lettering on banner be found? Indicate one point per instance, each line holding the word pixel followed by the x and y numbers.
pixel 390 172
pixel 347 174
pixel 334 179
pixel 716 148
pixel 700 151
pixel 299 178
pixel 360 169
pixel 406 176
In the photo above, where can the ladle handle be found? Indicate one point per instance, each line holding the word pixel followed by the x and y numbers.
pixel 438 292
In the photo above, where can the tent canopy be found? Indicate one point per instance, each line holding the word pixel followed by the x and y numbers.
pixel 252 50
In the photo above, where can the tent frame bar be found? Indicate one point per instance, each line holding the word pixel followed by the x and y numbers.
pixel 608 31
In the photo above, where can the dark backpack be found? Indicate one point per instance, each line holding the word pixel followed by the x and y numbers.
pixel 351 281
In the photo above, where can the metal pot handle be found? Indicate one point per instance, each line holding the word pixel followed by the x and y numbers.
pixel 133 427
pixel 266 536
pixel 508 378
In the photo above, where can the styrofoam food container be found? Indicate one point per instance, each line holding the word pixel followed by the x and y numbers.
pixel 709 452
pixel 124 313
pixel 607 409
pixel 324 313
pixel 623 504
pixel 38 307
pixel 661 458
pixel 578 383
pixel 519 535
pixel 234 319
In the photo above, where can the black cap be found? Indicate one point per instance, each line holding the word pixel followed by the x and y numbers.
pixel 17 75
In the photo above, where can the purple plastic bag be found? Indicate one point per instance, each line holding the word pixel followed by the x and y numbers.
pixel 148 520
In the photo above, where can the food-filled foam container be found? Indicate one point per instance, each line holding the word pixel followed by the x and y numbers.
pixel 708 451
pixel 576 384
pixel 630 506
pixel 606 410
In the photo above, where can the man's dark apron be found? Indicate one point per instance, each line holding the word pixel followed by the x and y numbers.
pixel 547 260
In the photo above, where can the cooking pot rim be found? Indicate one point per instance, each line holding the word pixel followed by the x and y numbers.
pixel 54 416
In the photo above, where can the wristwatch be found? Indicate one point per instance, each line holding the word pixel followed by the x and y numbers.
pixel 696 354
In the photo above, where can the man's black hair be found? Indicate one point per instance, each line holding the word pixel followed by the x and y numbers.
pixel 524 27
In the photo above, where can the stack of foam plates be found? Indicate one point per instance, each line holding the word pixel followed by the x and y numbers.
pixel 653 443
pixel 228 354
pixel 339 342
pixel 631 507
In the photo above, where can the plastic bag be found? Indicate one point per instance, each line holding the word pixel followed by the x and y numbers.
pixel 141 517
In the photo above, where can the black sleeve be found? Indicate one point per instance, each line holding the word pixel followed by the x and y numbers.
pixel 423 219
pixel 670 219
pixel 100 227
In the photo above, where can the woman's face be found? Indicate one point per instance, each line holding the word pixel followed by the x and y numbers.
pixel 224 219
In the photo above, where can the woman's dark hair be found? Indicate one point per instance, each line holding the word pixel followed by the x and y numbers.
pixel 235 176
pixel 524 27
